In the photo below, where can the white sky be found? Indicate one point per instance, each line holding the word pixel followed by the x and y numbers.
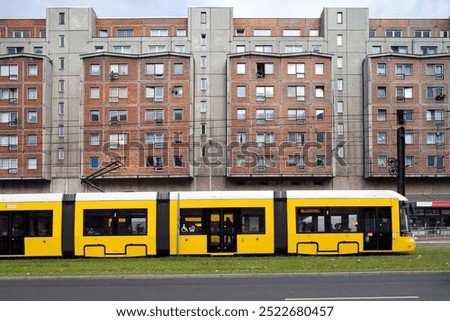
pixel 242 8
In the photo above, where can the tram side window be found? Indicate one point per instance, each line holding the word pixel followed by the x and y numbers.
pixel 191 221
pixel 253 221
pixel 115 222
pixel 40 223
pixel 328 220
pixel 344 219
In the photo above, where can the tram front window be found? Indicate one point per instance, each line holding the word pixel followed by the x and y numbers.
pixel 406 209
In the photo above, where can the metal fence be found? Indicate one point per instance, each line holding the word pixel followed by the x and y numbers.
pixel 432 233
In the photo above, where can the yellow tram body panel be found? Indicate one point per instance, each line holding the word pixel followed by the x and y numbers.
pixel 130 243
pixel 37 244
pixel 343 242
pixel 247 242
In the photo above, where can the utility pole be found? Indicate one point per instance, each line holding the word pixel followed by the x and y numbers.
pixel 401 160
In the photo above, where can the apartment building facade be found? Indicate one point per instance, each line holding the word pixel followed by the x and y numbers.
pixel 211 102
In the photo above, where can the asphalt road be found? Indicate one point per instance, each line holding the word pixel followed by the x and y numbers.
pixel 348 286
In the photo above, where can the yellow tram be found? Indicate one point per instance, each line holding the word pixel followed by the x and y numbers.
pixel 204 223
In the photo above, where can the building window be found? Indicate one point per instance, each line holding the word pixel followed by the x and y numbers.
pixel 21 34
pixel 203 39
pixel 320 91
pixel 32 163
pixel 152 161
pixel 436 93
pixel 32 93
pixel 340 84
pixel 264 48
pixel 241 114
pixel 403 93
pixel 296 138
pixel 116 93
pixel 32 70
pixel 94 115
pixel 297 69
pixel 381 69
pixel 436 161
pixel 436 115
pixel 298 115
pixel 313 32
pixel 156 70
pixel 10 71
pixel 399 49
pixel 402 70
pixel 264 68
pixel 122 49
pixel 293 48
pixel 61 86
pixel 156 115
pixel 32 140
pixel 240 69
pixel 240 48
pixel 203 17
pixel 62 18
pixel 155 139
pixel 125 33
pixel 178 69
pixel 436 70
pixel 297 92
pixel 203 129
pixel 95 92
pixel 291 33
pixel 376 49
pixel 262 33
pixel 340 40
pixel 340 129
pixel 381 92
pixel 178 114
pixel 382 161
pixel 339 18
pixel 61 63
pixel 178 161
pixel 381 114
pixel 241 137
pixel 38 50
pixel 340 62
pixel 264 92
pixel 156 93
pixel 61 153
pixel 203 106
pixel 115 140
pixel 320 160
pixel 95 70
pixel 409 138
pixel 319 69
pixel 264 114
pixel 181 33
pixel 428 50
pixel 203 84
pixel 203 62
pixel 94 139
pixel 99 48
pixel 241 91
pixel 340 107
pixel 422 33
pixel 94 163
pixel 61 131
pixel 116 116
pixel 159 33
pixel 180 48
pixel 382 138
pixel 32 117
pixel 393 33
pixel 62 41
pixel 320 114
pixel 177 91
pixel 118 69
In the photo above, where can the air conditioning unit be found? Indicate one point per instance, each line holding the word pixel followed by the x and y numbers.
pixel 300 98
pixel 113 99
pixel 113 75
pixel 12 77
pixel 12 171
pixel 260 98
pixel 439 76
pixel 12 147
pixel 301 121
pixel 13 100
pixel 400 76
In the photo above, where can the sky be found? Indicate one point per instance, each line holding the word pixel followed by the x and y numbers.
pixel 242 8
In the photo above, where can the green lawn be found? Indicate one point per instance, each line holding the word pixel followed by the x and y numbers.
pixel 423 259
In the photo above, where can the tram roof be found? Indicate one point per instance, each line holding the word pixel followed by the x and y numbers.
pixel 120 196
pixel 345 194
pixel 31 198
pixel 222 195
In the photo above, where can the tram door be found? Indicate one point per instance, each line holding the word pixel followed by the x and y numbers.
pixel 12 227
pixel 377 231
pixel 221 231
